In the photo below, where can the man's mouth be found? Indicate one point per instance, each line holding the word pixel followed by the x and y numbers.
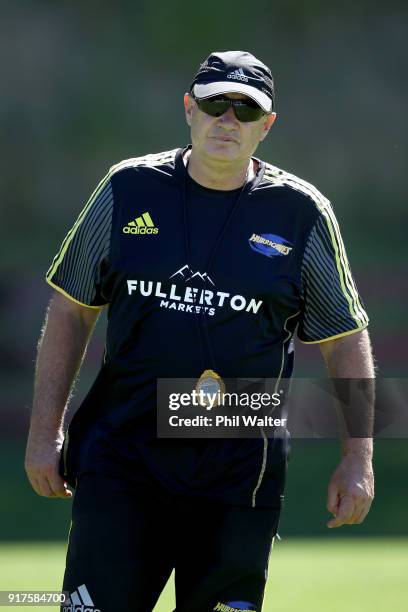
pixel 224 138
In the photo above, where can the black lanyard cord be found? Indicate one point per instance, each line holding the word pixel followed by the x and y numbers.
pixel 201 320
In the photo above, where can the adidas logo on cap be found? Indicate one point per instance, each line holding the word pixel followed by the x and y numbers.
pixel 238 75
pixel 141 225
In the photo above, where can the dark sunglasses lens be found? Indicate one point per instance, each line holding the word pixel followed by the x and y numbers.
pixel 246 113
pixel 215 108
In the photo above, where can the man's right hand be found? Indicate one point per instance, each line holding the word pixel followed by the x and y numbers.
pixel 41 465
pixel 67 329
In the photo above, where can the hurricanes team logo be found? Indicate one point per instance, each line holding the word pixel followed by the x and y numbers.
pixel 235 606
pixel 270 245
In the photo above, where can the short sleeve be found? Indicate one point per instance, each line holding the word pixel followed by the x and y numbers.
pixel 76 269
pixel 331 305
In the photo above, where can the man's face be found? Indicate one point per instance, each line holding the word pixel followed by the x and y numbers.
pixel 225 138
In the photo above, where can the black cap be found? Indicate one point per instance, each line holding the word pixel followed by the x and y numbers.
pixel 238 72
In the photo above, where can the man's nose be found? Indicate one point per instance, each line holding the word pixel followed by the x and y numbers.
pixel 228 116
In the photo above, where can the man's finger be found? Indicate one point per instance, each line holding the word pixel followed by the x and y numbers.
pixel 40 485
pixel 35 484
pixel 364 510
pixel 362 506
pixel 44 487
pixel 332 498
pixel 345 513
pixel 59 487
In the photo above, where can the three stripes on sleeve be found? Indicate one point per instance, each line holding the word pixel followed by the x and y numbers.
pixel 331 304
pixel 76 269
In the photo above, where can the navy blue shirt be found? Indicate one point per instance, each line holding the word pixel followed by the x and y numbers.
pixel 280 268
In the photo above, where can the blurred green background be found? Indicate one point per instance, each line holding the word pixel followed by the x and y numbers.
pixel 85 85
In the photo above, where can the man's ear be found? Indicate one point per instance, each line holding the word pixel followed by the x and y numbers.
pixel 188 107
pixel 268 123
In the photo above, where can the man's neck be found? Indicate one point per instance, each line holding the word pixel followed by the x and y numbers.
pixel 224 177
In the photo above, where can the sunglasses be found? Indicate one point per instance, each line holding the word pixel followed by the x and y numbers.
pixel 244 110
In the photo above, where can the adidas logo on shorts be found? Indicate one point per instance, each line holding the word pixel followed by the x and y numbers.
pixel 141 226
pixel 79 601
pixel 238 75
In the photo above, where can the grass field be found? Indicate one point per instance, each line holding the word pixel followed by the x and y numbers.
pixel 356 575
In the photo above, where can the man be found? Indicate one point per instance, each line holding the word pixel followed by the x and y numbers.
pixel 208 259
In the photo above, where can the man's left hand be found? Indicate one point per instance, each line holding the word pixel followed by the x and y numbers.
pixel 351 491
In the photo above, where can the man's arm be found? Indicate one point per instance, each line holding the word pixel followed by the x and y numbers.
pixel 67 329
pixel 351 487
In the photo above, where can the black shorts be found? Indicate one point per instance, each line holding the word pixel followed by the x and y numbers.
pixel 125 541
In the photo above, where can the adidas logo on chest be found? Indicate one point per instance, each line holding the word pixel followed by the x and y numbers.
pixel 140 226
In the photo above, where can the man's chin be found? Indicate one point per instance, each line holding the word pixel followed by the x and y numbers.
pixel 222 149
